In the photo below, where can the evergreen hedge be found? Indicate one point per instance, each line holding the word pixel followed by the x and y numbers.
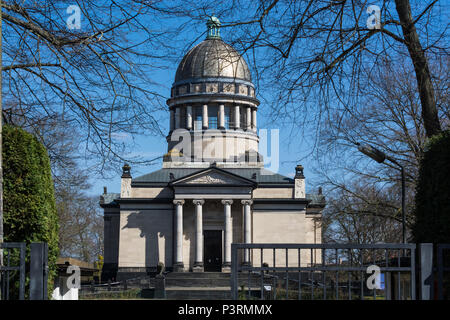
pixel 432 203
pixel 29 202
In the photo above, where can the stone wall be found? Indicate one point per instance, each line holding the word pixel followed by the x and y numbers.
pixel 146 236
pixel 285 227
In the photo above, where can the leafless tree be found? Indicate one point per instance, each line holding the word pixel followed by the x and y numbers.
pixel 80 224
pixel 99 78
pixel 316 50
pixel 351 218
pixel 389 118
pixel 339 81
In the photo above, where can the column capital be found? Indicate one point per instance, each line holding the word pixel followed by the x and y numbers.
pixel 247 202
pixel 198 202
pixel 178 202
pixel 227 202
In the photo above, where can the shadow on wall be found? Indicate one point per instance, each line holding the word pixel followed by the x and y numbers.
pixel 153 237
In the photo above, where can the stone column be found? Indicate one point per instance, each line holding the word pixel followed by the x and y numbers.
pixel 177 117
pixel 189 117
pixel 178 264
pixel 249 119
pixel 228 238
pixel 254 119
pixel 247 228
pixel 205 116
pixel 198 264
pixel 172 119
pixel 237 117
pixel 221 116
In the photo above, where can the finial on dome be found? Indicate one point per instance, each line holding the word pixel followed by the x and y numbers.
pixel 213 24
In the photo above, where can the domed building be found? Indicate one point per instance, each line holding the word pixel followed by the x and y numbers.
pixel 212 189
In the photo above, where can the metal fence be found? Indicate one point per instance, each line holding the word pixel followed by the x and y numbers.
pixel 323 271
pixel 15 265
pixel 13 269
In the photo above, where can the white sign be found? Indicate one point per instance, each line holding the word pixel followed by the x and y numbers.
pixel 374 281
pixel 73 282
pixel 373 21
pixel 74 20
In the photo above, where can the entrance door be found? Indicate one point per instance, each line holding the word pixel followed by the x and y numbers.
pixel 212 250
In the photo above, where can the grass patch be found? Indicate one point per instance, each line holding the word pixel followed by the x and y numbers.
pixel 112 295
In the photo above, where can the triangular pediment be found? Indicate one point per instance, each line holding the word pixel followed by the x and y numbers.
pixel 212 176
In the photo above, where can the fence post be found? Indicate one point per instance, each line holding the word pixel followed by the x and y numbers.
pixel 234 272
pixel 38 270
pixel 440 269
pixel 426 271
pixel 23 249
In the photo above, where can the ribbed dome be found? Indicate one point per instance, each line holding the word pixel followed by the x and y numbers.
pixel 210 59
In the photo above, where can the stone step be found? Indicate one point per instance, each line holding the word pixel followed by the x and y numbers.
pixel 198 282
pixel 198 293
pixel 208 282
pixel 207 279
pixel 209 275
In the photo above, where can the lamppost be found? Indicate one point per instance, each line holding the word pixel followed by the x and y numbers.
pixel 379 157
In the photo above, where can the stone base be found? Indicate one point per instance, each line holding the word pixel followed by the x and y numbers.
pixel 160 287
pixel 198 267
pixel 178 267
pixel 226 267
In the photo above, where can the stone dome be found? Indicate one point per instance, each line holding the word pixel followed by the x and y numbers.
pixel 212 58
pixel 212 68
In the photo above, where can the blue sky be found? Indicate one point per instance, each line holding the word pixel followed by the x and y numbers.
pixel 295 142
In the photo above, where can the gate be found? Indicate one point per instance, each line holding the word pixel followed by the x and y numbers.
pixel 13 271
pixel 8 272
pixel 323 271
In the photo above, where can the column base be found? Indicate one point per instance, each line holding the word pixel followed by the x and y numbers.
pixel 178 267
pixel 198 267
pixel 226 267
pixel 246 264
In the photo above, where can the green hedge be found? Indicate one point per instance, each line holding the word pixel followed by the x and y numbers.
pixel 432 207
pixel 29 202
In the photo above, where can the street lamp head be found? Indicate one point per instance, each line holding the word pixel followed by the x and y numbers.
pixel 372 152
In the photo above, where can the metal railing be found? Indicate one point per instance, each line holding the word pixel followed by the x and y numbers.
pixel 326 271
pixel 7 269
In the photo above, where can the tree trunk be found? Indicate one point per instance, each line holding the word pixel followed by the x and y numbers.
pixel 1 145
pixel 426 90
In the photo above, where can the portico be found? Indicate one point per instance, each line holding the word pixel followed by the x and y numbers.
pixel 199 237
pixel 222 189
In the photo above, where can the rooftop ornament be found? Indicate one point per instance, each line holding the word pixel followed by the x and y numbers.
pixel 213 25
pixel 299 172
pixel 126 171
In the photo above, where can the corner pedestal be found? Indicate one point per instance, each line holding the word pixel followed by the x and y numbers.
pixel 226 267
